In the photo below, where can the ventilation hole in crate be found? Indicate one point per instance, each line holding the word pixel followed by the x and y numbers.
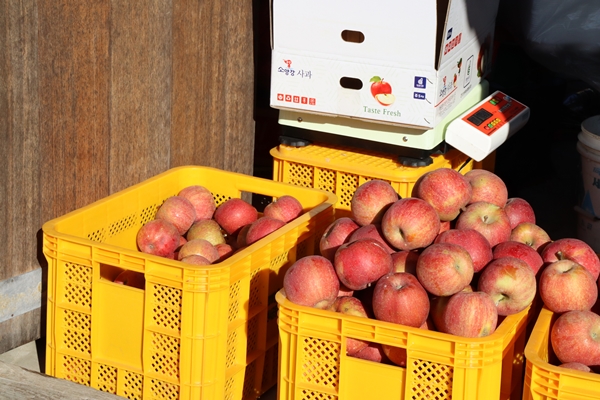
pixel 348 187
pixel 148 214
pixel 167 306
pixel 165 355
pixel 249 391
pixel 78 273
pixel 229 389
pixel 79 295
pixel 431 380
pixel 107 378
pixel 301 175
pixel 77 370
pixel 132 386
pixel 255 285
pixel 97 236
pixel 310 395
pixel 163 390
pixel 234 301
pixel 327 180
pixel 231 350
pixel 253 327
pixel 122 225
pixel 220 199
pixel 321 362
pixel 278 261
pixel 77 331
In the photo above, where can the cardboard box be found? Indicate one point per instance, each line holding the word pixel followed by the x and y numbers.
pixel 328 56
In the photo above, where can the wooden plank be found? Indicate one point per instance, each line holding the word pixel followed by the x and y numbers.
pixel 19 134
pixel 20 329
pixel 20 294
pixel 140 91
pixel 213 73
pixel 74 118
pixel 17 383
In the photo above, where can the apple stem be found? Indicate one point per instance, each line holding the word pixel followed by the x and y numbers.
pixel 559 255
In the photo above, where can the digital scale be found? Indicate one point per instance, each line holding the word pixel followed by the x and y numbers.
pixel 477 126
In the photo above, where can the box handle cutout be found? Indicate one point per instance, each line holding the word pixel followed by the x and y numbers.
pixel 122 276
pixel 351 83
pixel 353 36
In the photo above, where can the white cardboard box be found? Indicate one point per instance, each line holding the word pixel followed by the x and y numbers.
pixel 325 54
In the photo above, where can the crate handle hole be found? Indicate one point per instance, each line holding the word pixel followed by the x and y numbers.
pixel 353 36
pixel 121 276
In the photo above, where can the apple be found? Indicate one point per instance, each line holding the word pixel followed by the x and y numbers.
pixel 371 200
pixel 385 99
pixel 378 85
pixel 400 298
pixel 360 263
pixel 487 186
pixel 195 259
pixel 201 247
pixel 311 281
pixel 131 278
pixel 336 234
pixel 511 284
pixel 373 352
pixel 349 305
pixel 444 226
pixel 474 242
pixel 466 314
pixel 488 219
pixel 225 251
pixel 373 232
pixel 444 268
pixel 530 234
pixel 261 228
pixel 396 355
pixel 202 200
pixel 233 214
pixel 446 190
pixel 566 286
pixel 285 208
pixel 575 337
pixel 405 261
pixel 178 211
pixel 207 229
pixel 572 249
pixel 576 366
pixel 240 238
pixel 519 210
pixel 410 223
pixel 519 250
pixel 158 237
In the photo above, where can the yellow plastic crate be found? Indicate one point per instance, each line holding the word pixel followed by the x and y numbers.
pixel 547 381
pixel 195 332
pixel 342 170
pixel 314 364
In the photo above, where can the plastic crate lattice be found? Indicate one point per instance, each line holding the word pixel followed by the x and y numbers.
pixel 78 332
pixel 133 385
pixel 164 390
pixel 167 307
pixel 107 378
pixel 77 370
pixel 321 362
pixel 165 358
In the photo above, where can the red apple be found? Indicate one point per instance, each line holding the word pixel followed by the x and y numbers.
pixel 474 242
pixel 410 223
pixel 444 226
pixel 486 218
pixel 360 263
pixel 240 240
pixel 370 201
pixel 261 228
pixel 405 261
pixel 487 187
pixel 351 306
pixel 311 281
pixel 158 237
pixel 576 366
pixel 202 200
pixel 285 208
pixel 519 210
pixel 511 284
pixel 379 86
pixel 400 298
pixel 446 190
pixel 396 355
pixel 444 269
pixel 199 247
pixel 225 251
pixel 233 214
pixel 373 352
pixel 195 259
pixel 575 250
pixel 530 234
pixel 336 234
pixel 207 229
pixel 131 278
pixel 567 286
pixel 521 251
pixel 373 232
pixel 178 211
pixel 575 337
pixel 467 314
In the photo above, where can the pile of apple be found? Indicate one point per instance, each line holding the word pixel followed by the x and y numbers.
pixel 457 256
pixel 189 227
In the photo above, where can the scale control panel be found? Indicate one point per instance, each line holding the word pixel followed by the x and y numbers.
pixel 483 128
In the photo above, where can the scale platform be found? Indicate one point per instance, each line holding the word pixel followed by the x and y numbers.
pixel 412 146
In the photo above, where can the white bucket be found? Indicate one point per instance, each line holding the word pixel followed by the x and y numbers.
pixel 589 148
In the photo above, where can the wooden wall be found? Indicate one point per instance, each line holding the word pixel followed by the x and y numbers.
pixel 97 95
